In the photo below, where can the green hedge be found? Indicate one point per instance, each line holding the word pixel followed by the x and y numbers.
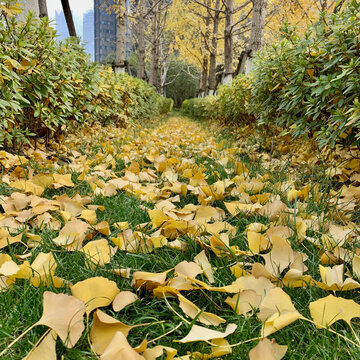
pixel 47 86
pixel 307 86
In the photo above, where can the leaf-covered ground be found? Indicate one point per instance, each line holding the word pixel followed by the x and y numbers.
pixel 179 241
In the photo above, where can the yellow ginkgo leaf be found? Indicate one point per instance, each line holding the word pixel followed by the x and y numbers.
pixel 97 253
pixel 95 292
pixel 199 333
pixel 356 265
pixel 103 228
pixel 268 349
pixel 65 315
pixel 123 299
pixel 62 180
pixel 148 280
pixel 189 269
pixel 45 350
pixel 158 351
pixel 89 216
pixel 276 311
pixel 119 348
pixel 202 260
pixel 244 302
pixel 103 330
pixel 330 309
pixel 191 310
pixel 332 279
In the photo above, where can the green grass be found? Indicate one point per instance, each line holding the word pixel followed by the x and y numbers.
pixel 21 305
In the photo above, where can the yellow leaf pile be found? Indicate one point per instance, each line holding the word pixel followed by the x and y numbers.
pixel 263 232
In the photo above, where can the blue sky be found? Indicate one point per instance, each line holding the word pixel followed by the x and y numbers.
pixel 78 7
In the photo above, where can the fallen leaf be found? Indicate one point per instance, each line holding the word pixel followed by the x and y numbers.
pixel 119 348
pixel 276 311
pixel 103 330
pixel 199 333
pixel 45 350
pixel 123 299
pixel 268 349
pixel 65 315
pixel 330 309
pixel 97 253
pixel 95 292
pixel 191 310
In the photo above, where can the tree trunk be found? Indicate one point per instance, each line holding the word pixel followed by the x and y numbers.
pixel 120 39
pixel 141 41
pixel 204 77
pixel 228 40
pixel 154 68
pixel 257 31
pixel 213 52
pixel 68 17
pixel 43 9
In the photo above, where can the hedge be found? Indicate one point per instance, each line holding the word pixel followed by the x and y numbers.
pixel 307 86
pixel 48 87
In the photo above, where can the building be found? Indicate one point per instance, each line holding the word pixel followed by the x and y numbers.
pixel 61 26
pixel 28 5
pixel 105 32
pixel 88 33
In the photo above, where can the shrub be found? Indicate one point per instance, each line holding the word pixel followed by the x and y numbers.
pixel 307 86
pixel 310 85
pixel 47 87
pixel 234 101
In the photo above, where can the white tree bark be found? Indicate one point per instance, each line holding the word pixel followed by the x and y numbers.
pixel 120 38
pixel 257 31
pixel 28 5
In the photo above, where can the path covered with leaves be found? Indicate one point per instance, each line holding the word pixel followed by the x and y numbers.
pixel 176 241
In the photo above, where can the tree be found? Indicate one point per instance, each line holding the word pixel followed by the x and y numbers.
pixel 68 17
pixel 43 12
pixel 141 24
pixel 257 31
pixel 182 80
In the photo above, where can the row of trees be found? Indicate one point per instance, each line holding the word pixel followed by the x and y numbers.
pixel 218 37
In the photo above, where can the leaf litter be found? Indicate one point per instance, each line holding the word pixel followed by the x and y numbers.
pixel 188 206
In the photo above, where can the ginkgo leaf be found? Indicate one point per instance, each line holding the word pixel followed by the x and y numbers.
pixel 72 234
pixel 104 329
pixel 43 268
pixel 268 349
pixel 272 210
pixel 202 260
pixel 95 292
pixel 103 228
pixel 199 333
pixel 97 253
pixel 220 347
pixel 330 309
pixel 276 311
pixel 89 216
pixel 158 351
pixel 148 280
pixel 65 315
pixel 189 269
pixel 356 265
pixel 45 350
pixel 119 348
pixel 332 279
pixel 257 242
pixel 244 302
pixel 280 256
pixel 123 299
pixel 191 310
